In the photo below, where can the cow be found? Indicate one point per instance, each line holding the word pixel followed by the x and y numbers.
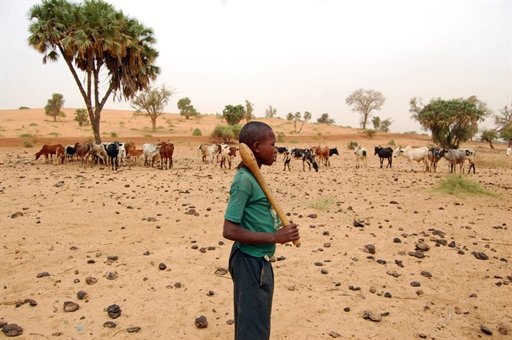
pixel 323 153
pixel 306 155
pixel 459 156
pixel 70 152
pixel 113 154
pixel 433 156
pixel 361 154
pixel 208 151
pixel 283 150
pixel 82 151
pixel 414 154
pixel 384 153
pixel 166 151
pixel 48 150
pixel 227 155
pixel 151 152
pixel 99 152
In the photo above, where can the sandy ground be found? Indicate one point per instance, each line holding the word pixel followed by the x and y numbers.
pixel 360 230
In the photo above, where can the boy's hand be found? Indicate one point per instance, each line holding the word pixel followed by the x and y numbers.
pixel 287 233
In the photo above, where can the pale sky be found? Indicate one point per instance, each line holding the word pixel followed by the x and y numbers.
pixel 296 55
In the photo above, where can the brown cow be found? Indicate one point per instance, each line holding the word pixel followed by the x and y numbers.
pixel 166 150
pixel 227 154
pixel 323 153
pixel 48 150
pixel 82 151
pixel 134 154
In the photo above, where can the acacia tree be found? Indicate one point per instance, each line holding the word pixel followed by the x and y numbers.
pixel 114 52
pixel 248 111
pixel 152 102
pixel 450 121
pixel 364 102
pixel 324 119
pixel 489 136
pixel 186 108
pixel 504 124
pixel 54 106
pixel 270 112
pixel 307 117
pixel 233 114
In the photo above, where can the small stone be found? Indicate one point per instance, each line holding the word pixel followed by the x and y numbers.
pixel 334 335
pixel 43 274
pixel 373 289
pixel 358 223
pixel 111 275
pixel 375 317
pixel 324 271
pixel 422 246
pixel 370 248
pixel 70 306
pixel 313 215
pixel 133 329
pixel 485 330
pixel 230 322
pixel 110 324
pixel 91 280
pixel 114 311
pixel 17 214
pixel 210 293
pixel 426 274
pixel 81 295
pixel 397 240
pixel 480 255
pixel 12 330
pixel 31 302
pixel 419 254
pixel 415 284
pixel 162 266
pixel 387 295
pixel 451 244
pixel 221 271
pixel 346 309
pixel 201 322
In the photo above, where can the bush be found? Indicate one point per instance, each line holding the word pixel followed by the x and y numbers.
pixel 24 108
pixel 113 135
pixel 196 132
pixel 370 132
pixel 223 133
pixel 281 137
pixel 236 130
pixel 392 143
pixel 27 144
pixel 352 145
pixel 82 117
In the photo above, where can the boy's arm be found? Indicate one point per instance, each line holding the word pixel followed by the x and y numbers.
pixel 235 232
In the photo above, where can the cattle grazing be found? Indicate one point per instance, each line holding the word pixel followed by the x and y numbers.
pixel 508 153
pixel 459 156
pixel 208 151
pixel 151 153
pixel 361 154
pixel 323 153
pixel 134 154
pixel 433 156
pixel 166 151
pixel 384 153
pixel 283 150
pixel 82 151
pixel 227 155
pixel 48 150
pixel 306 155
pixel 99 152
pixel 70 152
pixel 414 154
pixel 113 153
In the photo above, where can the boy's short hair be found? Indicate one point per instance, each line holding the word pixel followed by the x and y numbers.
pixel 253 132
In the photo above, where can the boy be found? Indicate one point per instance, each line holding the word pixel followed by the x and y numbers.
pixel 253 225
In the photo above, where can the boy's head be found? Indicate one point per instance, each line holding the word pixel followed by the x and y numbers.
pixel 260 138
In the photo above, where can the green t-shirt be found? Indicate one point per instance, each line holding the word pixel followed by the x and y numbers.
pixel 249 207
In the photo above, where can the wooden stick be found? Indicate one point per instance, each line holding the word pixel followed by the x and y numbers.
pixel 251 163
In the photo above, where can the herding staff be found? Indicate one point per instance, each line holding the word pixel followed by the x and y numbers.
pixel 251 163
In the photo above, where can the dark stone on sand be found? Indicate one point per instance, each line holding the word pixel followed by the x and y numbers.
pixel 480 255
pixel 419 254
pixel 201 322
pixel 31 302
pixel 114 311
pixel 319 264
pixel 133 329
pixel 221 271
pixel 313 215
pixel 81 295
pixel 354 288
pixel 17 214
pixel 397 240
pixel 358 224
pixel 12 329
pixel 485 330
pixel 346 309
pixel 43 274
pixel 334 335
pixel 370 248
pixel 422 246
pixel 210 293
pixel 91 280
pixel 324 271
pixel 415 284
pixel 110 324
pixel 146 253
pixel 426 274
pixel 162 266
pixel 452 244
pixel 388 295
pixel 70 306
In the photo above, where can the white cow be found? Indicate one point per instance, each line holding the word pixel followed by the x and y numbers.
pixel 151 153
pixel 361 154
pixel 414 154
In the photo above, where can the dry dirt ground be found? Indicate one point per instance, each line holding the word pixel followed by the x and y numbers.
pixel 152 241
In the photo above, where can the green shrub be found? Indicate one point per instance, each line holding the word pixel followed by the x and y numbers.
pixel 236 130
pixel 25 135
pixel 24 108
pixel 54 134
pixel 457 185
pixel 223 133
pixel 351 145
pixel 196 132
pixel 113 135
pixel 281 137
pixel 28 144
pixel 392 143
pixel 82 117
pixel 370 132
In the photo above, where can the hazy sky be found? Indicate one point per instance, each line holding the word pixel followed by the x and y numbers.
pixel 296 55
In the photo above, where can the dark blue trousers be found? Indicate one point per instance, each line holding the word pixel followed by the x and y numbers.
pixel 253 289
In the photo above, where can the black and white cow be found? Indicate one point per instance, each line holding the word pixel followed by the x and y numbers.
pixel 306 155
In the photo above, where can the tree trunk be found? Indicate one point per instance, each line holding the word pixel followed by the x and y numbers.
pixel 153 123
pixel 54 118
pixel 490 143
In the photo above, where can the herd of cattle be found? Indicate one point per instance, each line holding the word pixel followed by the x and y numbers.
pixel 116 153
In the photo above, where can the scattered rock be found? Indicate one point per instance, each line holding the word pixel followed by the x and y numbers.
pixel 12 330
pixel 418 253
pixel 91 280
pixel 397 240
pixel 43 274
pixel 485 330
pixel 133 329
pixel 375 317
pixel 480 255
pixel 70 306
pixel 162 266
pixel 312 215
pixel 415 284
pixel 114 311
pixel 370 248
pixel 334 335
pixel 221 271
pixel 111 275
pixel 426 274
pixel 81 295
pixel 358 223
pixel 110 324
pixel 502 329
pixel 201 322
pixel 16 215
pixel 422 246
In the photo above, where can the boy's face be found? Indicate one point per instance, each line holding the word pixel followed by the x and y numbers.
pixel 265 150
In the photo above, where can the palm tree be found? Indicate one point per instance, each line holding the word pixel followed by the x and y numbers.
pixel 96 39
